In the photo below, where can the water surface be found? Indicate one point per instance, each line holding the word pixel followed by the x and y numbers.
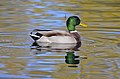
pixel 98 57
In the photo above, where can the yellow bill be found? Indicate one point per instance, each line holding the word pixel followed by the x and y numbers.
pixel 83 25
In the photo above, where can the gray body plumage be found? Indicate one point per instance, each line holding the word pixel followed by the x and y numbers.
pixel 55 36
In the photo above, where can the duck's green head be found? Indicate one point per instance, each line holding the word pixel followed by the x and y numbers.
pixel 73 21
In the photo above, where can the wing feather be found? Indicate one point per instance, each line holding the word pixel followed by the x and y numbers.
pixel 49 33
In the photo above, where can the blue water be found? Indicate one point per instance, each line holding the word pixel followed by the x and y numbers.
pixel 98 57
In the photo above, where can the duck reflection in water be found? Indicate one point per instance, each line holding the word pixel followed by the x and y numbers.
pixel 55 46
pixel 69 49
pixel 71 59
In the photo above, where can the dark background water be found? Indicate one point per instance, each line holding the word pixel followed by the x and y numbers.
pixel 100 40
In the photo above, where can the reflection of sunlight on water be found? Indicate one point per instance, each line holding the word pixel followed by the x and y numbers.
pixel 100 41
pixel 117 32
pixel 7 76
pixel 43 15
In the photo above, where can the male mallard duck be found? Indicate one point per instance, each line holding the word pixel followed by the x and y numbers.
pixel 58 36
